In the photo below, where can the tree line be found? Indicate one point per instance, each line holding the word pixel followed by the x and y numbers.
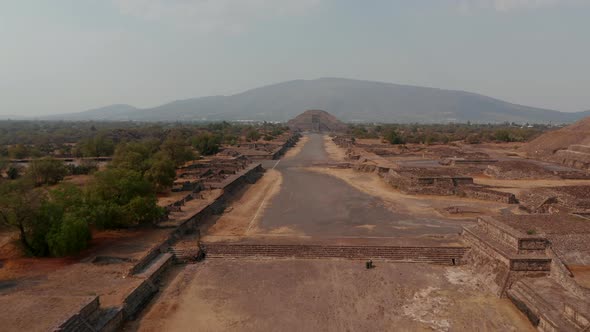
pixel 446 133
pixel 35 139
pixel 55 218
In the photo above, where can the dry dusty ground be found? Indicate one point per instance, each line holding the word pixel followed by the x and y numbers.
pixel 418 205
pixel 581 274
pixel 529 183
pixel 428 205
pixel 242 216
pixel 170 197
pixel 246 215
pixel 293 151
pixel 326 295
pixel 334 151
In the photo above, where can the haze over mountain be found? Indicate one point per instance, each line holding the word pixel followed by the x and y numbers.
pixel 349 100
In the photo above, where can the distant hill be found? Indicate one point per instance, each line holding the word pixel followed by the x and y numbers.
pixel 348 100
pixel 116 112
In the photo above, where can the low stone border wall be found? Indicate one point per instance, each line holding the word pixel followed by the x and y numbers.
pixel 489 195
pixel 437 255
pixel 247 176
pixel 564 277
pixel 78 321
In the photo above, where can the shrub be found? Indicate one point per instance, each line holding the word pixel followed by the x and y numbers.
pixel 253 135
pixel 206 143
pixel 69 236
pixel 121 198
pixel 393 137
pixel 161 172
pixel 13 173
pixel 47 171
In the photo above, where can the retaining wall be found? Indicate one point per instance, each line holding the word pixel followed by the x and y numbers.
pixel 440 255
pixel 489 195
pixel 78 321
pixel 564 277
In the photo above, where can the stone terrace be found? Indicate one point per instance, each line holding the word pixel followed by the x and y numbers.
pixel 529 269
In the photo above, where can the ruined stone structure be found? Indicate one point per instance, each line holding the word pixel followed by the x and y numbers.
pixel 576 155
pixel 569 145
pixel 316 121
pixel 262 151
pixel 568 199
pixel 464 161
pixel 525 268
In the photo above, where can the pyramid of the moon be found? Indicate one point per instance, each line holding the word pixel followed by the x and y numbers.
pixel 317 121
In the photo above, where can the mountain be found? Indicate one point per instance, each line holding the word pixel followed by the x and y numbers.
pixel 348 100
pixel 115 112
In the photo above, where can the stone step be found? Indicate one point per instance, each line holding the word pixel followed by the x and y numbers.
pixel 446 255
pixel 504 253
pixel 578 313
pixel 543 314
pixel 184 254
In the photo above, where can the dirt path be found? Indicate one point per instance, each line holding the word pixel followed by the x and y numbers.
pixel 243 215
pixel 327 295
pixel 418 205
pixel 334 151
pixel 292 152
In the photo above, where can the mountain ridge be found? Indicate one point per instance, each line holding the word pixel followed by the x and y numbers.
pixel 349 100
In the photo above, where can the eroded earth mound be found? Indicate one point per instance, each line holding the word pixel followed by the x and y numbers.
pixel 569 145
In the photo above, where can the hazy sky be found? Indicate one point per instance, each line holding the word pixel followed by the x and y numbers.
pixel 59 56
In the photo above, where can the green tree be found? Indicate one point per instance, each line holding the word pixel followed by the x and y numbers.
pixel 13 172
pixel 206 143
pixel 134 155
pixel 47 171
pixel 253 135
pixel 18 151
pixel 65 213
pixel 503 135
pixel 177 149
pixel 121 197
pixel 161 172
pixel 96 146
pixel 393 137
pixel 20 203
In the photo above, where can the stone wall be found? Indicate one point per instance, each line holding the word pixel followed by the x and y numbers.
pixel 511 254
pixel 411 182
pixel 78 321
pixel 577 156
pixel 563 276
pixel 438 255
pixel 485 194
